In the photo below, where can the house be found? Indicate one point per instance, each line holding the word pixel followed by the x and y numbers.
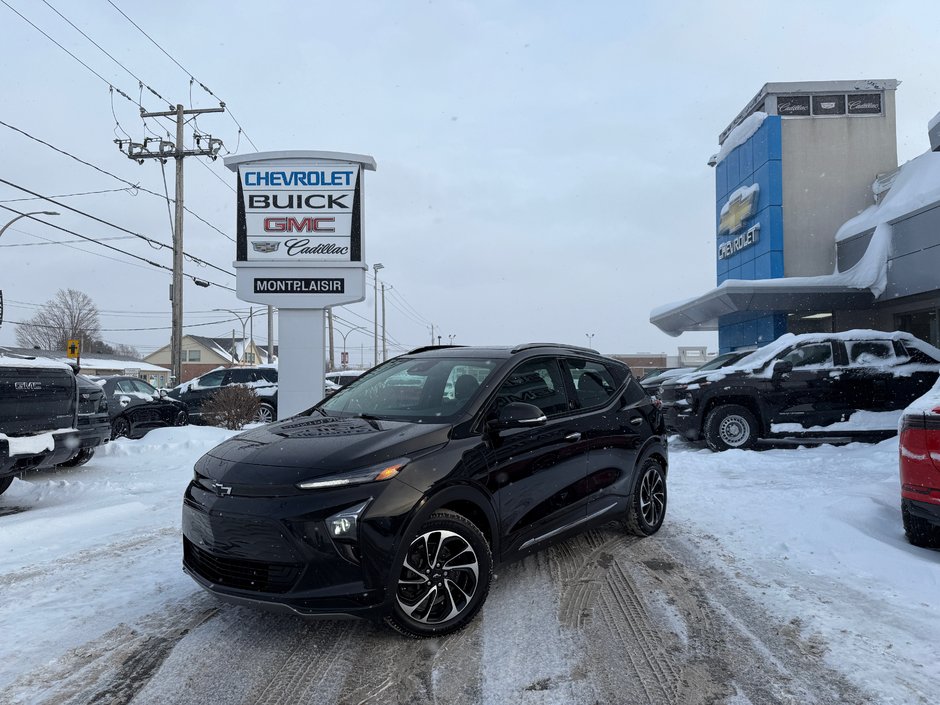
pixel 103 364
pixel 201 354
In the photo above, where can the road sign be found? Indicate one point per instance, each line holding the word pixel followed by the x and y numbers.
pixel 73 349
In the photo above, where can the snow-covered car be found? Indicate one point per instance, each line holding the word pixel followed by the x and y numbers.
pixel 651 383
pixel 654 386
pixel 261 379
pixel 835 387
pixel 136 407
pixel 919 462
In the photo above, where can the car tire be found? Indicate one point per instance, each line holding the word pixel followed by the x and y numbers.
pixel 647 507
pixel 80 458
pixel 919 531
pixel 5 483
pixel 265 414
pixel 120 428
pixel 181 418
pixel 731 426
pixel 444 595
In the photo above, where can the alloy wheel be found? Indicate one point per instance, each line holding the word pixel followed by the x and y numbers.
pixel 652 496
pixel 264 414
pixel 439 577
pixel 120 428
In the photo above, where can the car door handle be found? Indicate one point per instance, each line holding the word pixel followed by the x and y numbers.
pixel 573 437
pixel 636 420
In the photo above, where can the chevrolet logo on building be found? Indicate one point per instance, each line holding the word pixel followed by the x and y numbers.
pixel 741 206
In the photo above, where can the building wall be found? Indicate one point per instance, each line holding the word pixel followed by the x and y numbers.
pixel 828 165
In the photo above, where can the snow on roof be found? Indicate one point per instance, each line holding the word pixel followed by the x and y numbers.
pixel 740 134
pixel 916 185
pixel 102 363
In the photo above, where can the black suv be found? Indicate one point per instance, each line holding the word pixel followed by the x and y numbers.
pixel 393 498
pixel 263 380
pixel 805 387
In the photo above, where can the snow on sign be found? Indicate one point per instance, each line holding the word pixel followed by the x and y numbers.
pixel 299 212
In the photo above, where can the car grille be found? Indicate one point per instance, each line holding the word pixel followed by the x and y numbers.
pixel 239 573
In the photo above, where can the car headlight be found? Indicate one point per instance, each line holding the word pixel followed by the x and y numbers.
pixel 375 473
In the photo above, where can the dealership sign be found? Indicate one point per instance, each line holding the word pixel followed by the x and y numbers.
pixel 307 212
pixel 741 242
pixel 739 208
pixel 299 228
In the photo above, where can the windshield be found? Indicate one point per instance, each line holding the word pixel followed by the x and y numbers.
pixel 722 360
pixel 415 389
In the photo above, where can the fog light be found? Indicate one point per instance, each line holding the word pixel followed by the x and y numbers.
pixel 344 525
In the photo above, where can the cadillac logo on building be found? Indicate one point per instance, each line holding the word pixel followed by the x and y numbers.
pixel 265 247
pixel 741 206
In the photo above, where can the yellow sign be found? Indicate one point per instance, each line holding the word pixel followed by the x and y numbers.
pixel 73 349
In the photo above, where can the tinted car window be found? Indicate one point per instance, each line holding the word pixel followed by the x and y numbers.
pixel 268 373
pixel 124 386
pixel 919 356
pixel 869 352
pixel 240 376
pixel 810 355
pixel 537 382
pixel 213 379
pixel 593 383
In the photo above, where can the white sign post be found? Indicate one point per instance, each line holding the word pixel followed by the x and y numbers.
pixel 300 248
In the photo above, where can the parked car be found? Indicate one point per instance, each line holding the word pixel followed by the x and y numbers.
pixel 392 500
pixel 651 382
pixel 919 451
pixel 817 386
pixel 716 363
pixel 343 377
pixel 262 379
pixel 136 407
pixel 38 415
pixel 93 421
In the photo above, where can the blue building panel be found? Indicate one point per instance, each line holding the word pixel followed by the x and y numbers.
pixel 757 161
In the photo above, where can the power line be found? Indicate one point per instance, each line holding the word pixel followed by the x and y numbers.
pixel 67 195
pixel 131 73
pixel 195 279
pixel 150 241
pixel 113 176
pixel 127 330
pixel 241 130
pixel 103 79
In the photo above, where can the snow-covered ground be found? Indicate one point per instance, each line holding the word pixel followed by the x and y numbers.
pixel 813 535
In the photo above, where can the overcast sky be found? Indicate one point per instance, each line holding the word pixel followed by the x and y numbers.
pixel 541 165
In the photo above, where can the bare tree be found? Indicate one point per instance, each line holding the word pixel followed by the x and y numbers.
pixel 71 315
pixel 125 350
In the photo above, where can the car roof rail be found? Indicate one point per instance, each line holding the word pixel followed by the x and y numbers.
pixel 529 346
pixel 432 347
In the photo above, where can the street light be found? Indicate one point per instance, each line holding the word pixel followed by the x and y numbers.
pixel 375 297
pixel 590 337
pixel 344 341
pixel 26 215
pixel 251 312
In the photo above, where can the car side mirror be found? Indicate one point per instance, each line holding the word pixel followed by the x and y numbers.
pixel 782 367
pixel 518 414
pixel 162 393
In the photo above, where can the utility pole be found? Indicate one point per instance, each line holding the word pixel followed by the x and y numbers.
pixel 330 359
pixel 384 340
pixel 139 151
pixel 270 334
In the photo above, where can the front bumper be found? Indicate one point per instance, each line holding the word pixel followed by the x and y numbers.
pixel 276 552
pixel 682 419
pixel 65 443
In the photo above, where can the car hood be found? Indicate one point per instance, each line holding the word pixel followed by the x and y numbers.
pixel 303 448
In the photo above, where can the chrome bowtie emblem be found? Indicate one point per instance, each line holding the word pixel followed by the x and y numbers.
pixel 221 489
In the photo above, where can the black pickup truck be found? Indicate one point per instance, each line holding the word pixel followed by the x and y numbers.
pixel 38 415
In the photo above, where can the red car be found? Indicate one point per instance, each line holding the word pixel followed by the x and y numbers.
pixel 920 470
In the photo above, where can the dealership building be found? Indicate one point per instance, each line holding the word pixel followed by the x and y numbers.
pixel 817 229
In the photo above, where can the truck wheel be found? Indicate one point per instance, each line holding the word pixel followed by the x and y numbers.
pixel 5 483
pixel 730 426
